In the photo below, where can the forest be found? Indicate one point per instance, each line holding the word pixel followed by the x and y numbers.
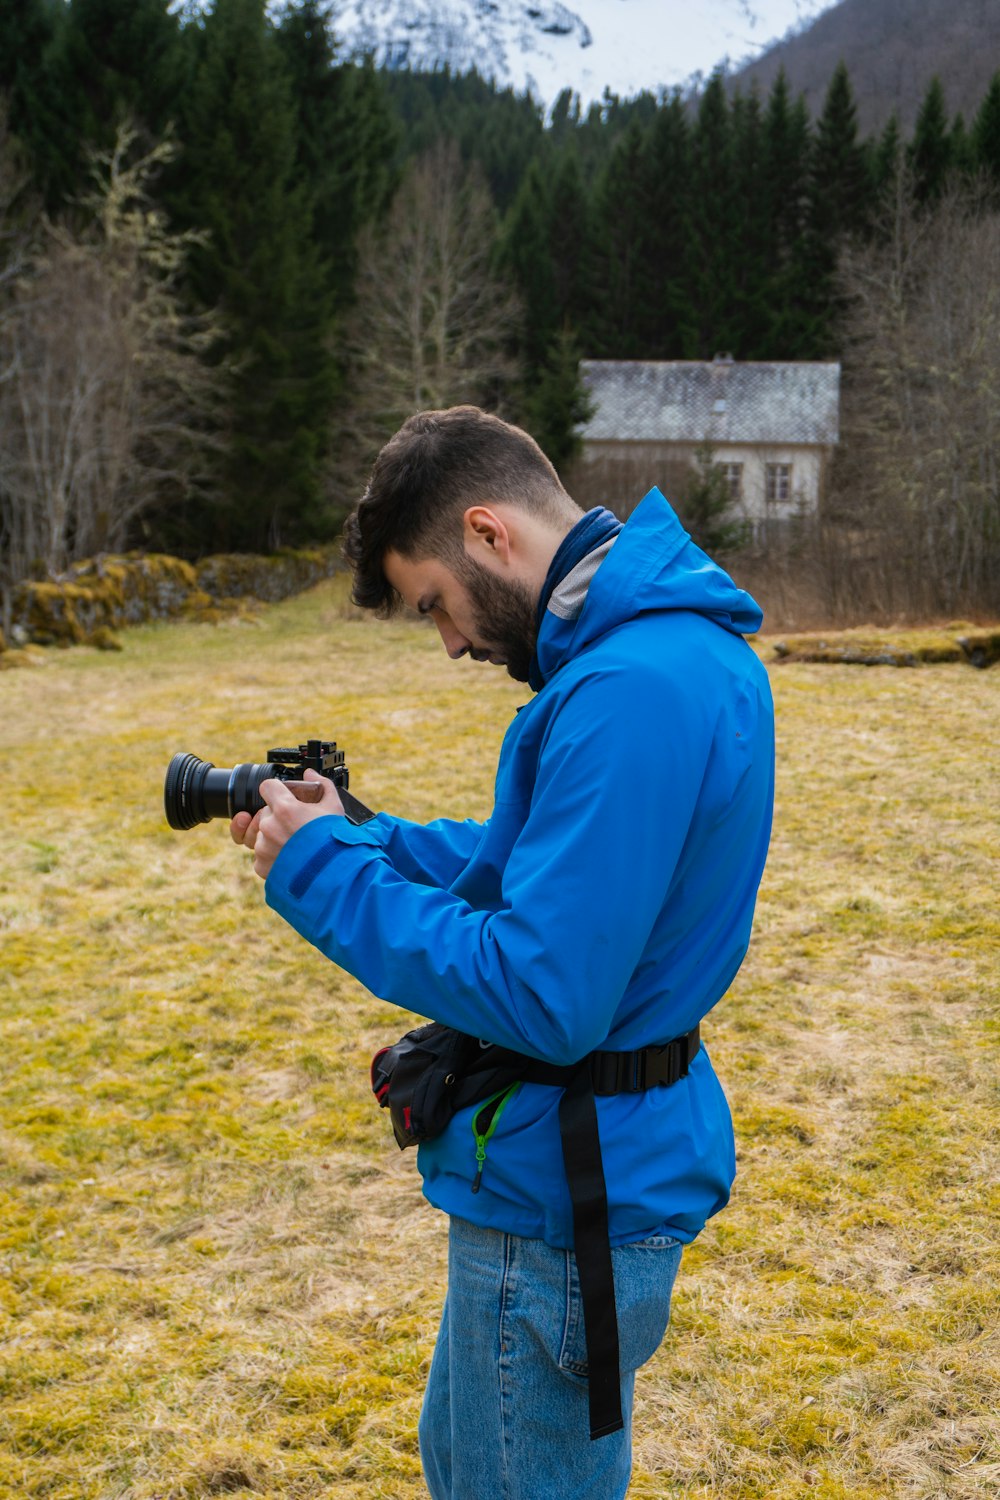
pixel 231 264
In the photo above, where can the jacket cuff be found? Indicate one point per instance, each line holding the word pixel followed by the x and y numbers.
pixel 307 855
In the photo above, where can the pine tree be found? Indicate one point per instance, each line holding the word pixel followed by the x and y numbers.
pixel 930 152
pixel 261 268
pixel 786 135
pixel 503 139
pixel 887 157
pixel 547 248
pixel 346 139
pixel 525 251
pixel 547 245
pixel 564 117
pixel 714 222
pixel 557 403
pixel 707 506
pixel 112 62
pixel 619 322
pixel 960 145
pixel 27 31
pixel 786 186
pixel 986 132
pixel 496 127
pixel 666 208
pixel 840 186
pixel 752 313
pixel 600 130
pixel 840 192
pixel 570 240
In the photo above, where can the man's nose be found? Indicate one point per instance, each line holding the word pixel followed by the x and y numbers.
pixel 455 643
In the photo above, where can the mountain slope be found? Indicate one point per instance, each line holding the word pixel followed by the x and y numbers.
pixel 892 49
pixel 497 38
pixel 585 45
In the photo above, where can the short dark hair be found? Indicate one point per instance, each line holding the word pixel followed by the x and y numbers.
pixel 436 466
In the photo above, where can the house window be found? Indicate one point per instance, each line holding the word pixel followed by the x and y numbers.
pixel 733 474
pixel 777 483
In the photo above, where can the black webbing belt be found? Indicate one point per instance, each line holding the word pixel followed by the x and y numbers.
pixel 602 1073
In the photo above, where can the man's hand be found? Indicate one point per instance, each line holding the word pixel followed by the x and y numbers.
pixel 268 831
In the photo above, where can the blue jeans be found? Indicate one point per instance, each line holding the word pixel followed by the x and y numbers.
pixel 505 1415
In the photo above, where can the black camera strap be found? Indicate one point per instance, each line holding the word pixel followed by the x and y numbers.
pixel 581 1147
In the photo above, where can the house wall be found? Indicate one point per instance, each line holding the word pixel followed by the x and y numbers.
pixel 619 474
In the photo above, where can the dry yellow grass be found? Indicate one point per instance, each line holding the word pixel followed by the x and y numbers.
pixel 218 1275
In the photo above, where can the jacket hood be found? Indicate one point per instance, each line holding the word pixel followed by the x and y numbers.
pixel 652 566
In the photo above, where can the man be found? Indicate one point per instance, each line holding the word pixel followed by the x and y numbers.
pixel 605 906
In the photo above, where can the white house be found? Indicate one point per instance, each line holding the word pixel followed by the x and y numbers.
pixel 772 427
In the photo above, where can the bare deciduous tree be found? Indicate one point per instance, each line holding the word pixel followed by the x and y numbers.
pixel 17 530
pixel 920 481
pixel 104 405
pixel 434 321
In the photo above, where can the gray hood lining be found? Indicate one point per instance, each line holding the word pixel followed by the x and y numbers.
pixel 569 597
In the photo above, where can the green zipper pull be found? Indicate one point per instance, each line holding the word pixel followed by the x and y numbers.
pixel 480 1162
pixel 500 1101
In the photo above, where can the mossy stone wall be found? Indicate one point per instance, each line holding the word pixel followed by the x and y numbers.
pixel 100 595
pixel 236 575
pixel 905 646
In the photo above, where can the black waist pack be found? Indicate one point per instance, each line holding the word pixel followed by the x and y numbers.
pixel 416 1080
pixel 434 1071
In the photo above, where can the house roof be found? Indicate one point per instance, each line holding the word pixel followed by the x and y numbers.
pixel 722 401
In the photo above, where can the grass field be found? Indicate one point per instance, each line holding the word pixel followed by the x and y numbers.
pixel 218 1273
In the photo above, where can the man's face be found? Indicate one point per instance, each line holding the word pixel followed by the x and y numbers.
pixel 475 610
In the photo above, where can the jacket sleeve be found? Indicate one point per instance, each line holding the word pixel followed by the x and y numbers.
pixel 430 853
pixel 618 781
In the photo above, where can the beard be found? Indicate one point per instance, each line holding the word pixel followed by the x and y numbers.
pixel 504 614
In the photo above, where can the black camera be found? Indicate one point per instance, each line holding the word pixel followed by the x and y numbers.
pixel 195 791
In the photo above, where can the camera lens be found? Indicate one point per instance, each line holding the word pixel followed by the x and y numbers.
pixel 243 792
pixel 195 791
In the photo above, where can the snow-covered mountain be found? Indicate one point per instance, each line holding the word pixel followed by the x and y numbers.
pixel 586 45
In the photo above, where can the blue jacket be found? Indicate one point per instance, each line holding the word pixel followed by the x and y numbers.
pixel 607 901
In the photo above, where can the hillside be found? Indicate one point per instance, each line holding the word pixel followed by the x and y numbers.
pixel 892 49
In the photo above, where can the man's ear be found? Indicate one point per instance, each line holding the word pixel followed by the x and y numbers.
pixel 486 535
